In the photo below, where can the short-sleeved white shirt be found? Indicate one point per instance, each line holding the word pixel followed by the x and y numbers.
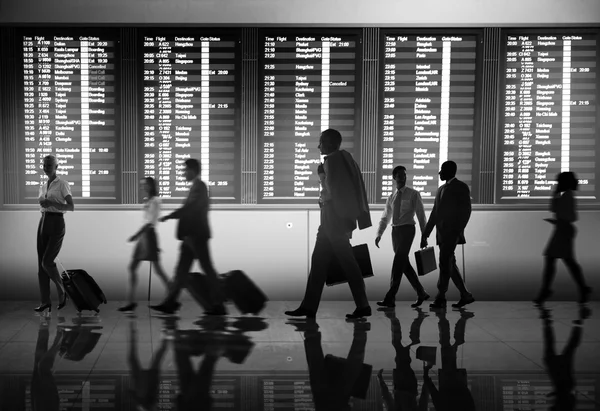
pixel 152 211
pixel 59 189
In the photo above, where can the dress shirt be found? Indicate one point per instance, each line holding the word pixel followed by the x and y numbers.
pixel 410 205
pixel 152 211
pixel 59 189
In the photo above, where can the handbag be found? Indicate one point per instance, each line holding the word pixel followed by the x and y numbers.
pixel 425 259
pixel 335 273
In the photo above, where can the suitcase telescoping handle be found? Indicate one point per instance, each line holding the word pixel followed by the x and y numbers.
pixel 62 267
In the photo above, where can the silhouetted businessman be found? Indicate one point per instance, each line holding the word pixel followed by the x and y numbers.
pixel 400 210
pixel 405 381
pixel 194 232
pixel 145 382
pixel 453 393
pixel 562 242
pixel 450 215
pixel 343 203
pixel 333 381
pixel 560 366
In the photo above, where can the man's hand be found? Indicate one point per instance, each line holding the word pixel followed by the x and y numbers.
pixel 132 238
pixel 377 240
pixel 163 219
pixel 45 203
pixel 423 242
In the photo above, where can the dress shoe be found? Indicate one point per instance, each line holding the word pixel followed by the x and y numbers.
pixel 385 304
pixel 218 310
pixel 585 295
pixel 128 307
pixel 542 297
pixel 438 304
pixel 166 308
pixel 301 312
pixel 63 302
pixel 359 313
pixel 420 300
pixel 464 301
pixel 43 307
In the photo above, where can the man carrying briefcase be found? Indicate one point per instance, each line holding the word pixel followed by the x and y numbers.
pixel 400 210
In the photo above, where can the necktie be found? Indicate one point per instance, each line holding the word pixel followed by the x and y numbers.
pixel 397 205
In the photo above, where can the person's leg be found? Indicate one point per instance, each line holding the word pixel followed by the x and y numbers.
pixel 133 280
pixel 203 254
pixel 321 258
pixel 342 250
pixel 458 280
pixel 411 275
pixel 186 258
pixel 43 278
pixel 446 262
pixel 53 246
pixel 548 278
pixel 159 270
pixel 398 243
pixel 577 274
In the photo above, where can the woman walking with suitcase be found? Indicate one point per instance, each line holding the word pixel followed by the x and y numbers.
pixel 55 200
pixel 146 248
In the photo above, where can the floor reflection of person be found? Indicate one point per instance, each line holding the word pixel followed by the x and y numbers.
pixel 145 382
pixel 560 366
pixel 333 392
pixel 405 381
pixel 453 393
pixel 44 392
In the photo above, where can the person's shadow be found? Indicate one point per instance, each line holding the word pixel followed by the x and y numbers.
pixel 560 366
pixel 405 381
pixel 213 341
pixel 334 380
pixel 44 391
pixel 145 382
pixel 453 393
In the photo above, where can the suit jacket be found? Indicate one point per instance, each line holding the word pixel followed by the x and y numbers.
pixel 450 213
pixel 347 188
pixel 193 215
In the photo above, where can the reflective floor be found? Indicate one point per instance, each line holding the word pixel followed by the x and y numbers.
pixel 491 356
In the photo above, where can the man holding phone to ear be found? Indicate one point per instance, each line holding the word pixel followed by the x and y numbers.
pixel 400 210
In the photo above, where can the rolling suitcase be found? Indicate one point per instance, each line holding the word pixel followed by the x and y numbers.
pixel 82 290
pixel 198 287
pixel 240 289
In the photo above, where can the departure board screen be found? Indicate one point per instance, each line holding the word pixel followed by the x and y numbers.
pixel 71 110
pixel 428 108
pixel 190 110
pixel 549 119
pixel 310 82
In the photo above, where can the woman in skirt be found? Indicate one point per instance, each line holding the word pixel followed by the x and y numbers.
pixel 146 248
pixel 562 243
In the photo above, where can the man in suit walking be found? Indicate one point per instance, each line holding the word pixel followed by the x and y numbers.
pixel 194 232
pixel 400 210
pixel 450 215
pixel 343 202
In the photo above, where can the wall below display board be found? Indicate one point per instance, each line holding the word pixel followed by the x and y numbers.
pixel 308 12
pixel 503 258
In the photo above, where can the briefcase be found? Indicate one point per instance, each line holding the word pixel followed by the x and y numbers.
pixel 335 274
pixel 425 258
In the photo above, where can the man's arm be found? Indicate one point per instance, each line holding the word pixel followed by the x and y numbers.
pixel 197 198
pixel 464 206
pixel 385 217
pixel 420 211
pixel 432 217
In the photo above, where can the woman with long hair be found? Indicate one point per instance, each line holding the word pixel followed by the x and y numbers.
pixel 562 242
pixel 146 248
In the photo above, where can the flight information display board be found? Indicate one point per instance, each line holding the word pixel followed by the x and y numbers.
pixel 549 119
pixel 190 110
pixel 310 80
pixel 71 110
pixel 428 108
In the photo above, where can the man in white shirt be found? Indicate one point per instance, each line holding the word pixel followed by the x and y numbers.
pixel 400 210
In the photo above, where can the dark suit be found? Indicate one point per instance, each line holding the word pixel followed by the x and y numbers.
pixel 339 215
pixel 450 215
pixel 194 231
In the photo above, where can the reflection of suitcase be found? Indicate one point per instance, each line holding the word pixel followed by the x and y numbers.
pixel 425 259
pixel 198 287
pixel 334 367
pixel 240 289
pixel 78 342
pixel 335 274
pixel 83 290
